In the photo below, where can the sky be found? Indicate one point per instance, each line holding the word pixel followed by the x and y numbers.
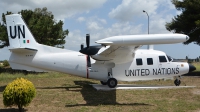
pixel 105 18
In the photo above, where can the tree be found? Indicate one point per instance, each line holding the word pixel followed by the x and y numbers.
pixel 188 22
pixel 186 57
pixel 5 63
pixel 42 24
pixel 197 59
pixel 20 92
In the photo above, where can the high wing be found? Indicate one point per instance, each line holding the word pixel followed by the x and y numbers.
pixel 121 49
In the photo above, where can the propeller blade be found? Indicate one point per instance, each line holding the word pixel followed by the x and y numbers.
pixel 88 61
pixel 88 40
pixel 82 46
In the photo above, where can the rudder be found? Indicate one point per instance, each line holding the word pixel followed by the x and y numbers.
pixel 18 33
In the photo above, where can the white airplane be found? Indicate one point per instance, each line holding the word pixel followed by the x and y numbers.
pixel 115 59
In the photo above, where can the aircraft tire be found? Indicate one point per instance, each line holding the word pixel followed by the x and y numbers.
pixel 177 82
pixel 103 82
pixel 112 82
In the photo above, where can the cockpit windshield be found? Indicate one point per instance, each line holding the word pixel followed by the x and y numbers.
pixel 170 58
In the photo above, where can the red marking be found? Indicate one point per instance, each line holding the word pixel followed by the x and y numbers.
pixel 87 68
pixel 27 41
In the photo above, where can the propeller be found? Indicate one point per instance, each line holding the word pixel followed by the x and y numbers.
pixel 89 50
pixel 82 46
pixel 86 50
pixel 88 47
pixel 88 61
pixel 88 40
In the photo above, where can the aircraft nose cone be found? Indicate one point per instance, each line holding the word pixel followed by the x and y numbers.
pixel 191 68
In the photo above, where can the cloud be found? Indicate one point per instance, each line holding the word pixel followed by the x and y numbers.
pixel 133 8
pixel 159 12
pixel 80 19
pixel 61 9
pixel 95 23
pixel 93 26
pixel 74 40
pixel 103 21
pixel 97 30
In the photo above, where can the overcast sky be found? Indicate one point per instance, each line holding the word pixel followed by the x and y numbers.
pixel 103 18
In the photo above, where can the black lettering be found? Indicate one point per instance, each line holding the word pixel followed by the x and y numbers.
pixel 177 70
pixel 138 71
pixel 163 71
pixel 131 72
pixel 20 31
pixel 155 72
pixel 147 72
pixel 126 73
pixel 168 71
pixel 159 71
pixel 173 70
pixel 13 37
pixel 142 72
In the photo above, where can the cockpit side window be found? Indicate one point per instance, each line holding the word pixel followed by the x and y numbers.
pixel 169 58
pixel 162 59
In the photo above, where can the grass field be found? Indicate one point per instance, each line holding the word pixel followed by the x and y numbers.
pixel 197 65
pixel 57 92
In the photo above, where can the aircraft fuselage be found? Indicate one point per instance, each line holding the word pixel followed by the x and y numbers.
pixel 145 65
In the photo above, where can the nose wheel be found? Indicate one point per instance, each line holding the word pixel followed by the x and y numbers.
pixel 177 82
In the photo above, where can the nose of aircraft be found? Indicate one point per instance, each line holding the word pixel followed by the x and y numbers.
pixel 191 68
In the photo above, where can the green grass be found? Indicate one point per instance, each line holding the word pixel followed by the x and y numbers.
pixel 197 65
pixel 61 92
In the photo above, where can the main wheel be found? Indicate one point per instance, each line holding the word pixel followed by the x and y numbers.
pixel 112 82
pixel 177 82
pixel 103 82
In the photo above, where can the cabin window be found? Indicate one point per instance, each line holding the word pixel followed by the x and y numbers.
pixel 149 61
pixel 139 61
pixel 162 59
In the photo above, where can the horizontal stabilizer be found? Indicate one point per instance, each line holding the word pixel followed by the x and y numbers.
pixel 23 50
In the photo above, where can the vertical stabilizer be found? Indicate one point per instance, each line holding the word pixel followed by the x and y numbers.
pixel 18 33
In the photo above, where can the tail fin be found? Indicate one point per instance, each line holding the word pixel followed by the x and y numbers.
pixel 18 33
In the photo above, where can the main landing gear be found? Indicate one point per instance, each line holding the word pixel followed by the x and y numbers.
pixel 103 82
pixel 111 82
pixel 177 82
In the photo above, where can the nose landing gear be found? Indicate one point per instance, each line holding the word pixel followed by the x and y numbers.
pixel 177 82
